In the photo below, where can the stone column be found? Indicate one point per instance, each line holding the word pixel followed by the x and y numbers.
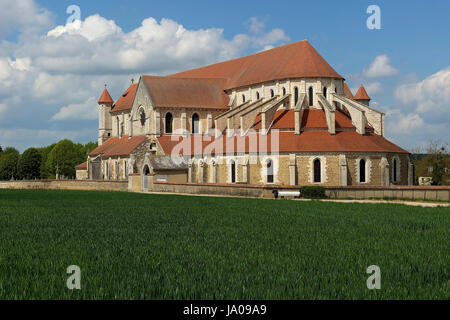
pixel 157 123
pixel 201 169
pixel 209 122
pixel 183 122
pixel 343 170
pixel 384 167
pixel 410 174
pixel 214 171
pixel 190 171
pixel 245 170
pixel 292 170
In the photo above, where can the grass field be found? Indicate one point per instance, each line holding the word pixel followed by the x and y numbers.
pixel 136 246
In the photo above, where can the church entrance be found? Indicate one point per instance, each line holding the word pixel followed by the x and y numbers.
pixel 145 174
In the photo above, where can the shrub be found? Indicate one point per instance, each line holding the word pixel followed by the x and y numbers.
pixel 313 192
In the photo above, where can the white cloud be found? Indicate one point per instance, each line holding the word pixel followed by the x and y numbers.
pixel 22 15
pixel 423 110
pixel 380 67
pixel 85 111
pixel 48 74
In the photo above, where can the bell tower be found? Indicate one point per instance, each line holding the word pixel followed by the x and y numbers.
pixel 104 117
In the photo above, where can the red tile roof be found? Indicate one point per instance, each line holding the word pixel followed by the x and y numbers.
pixel 105 97
pixel 118 146
pixel 347 92
pixel 361 94
pixel 311 119
pixel 82 166
pixel 180 92
pixel 308 141
pixel 295 60
pixel 125 102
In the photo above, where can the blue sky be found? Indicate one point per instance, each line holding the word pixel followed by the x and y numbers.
pixel 45 78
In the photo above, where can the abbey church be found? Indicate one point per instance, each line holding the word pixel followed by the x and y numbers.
pixel 281 117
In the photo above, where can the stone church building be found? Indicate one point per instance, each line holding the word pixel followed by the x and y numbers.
pixel 280 117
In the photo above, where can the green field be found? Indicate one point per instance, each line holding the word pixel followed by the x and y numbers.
pixel 136 246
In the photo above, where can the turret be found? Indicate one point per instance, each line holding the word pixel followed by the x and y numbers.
pixel 362 96
pixel 104 117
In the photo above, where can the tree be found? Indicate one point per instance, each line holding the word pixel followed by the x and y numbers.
pixel 65 156
pixel 8 163
pixel 434 163
pixel 45 151
pixel 29 165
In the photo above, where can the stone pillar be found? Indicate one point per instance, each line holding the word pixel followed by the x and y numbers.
pixel 343 170
pixel 292 170
pixel 384 167
pixel 245 170
pixel 201 173
pixel 410 174
pixel 157 123
pixel 297 121
pixel 209 122
pixel 214 171
pixel 184 122
pixel 190 171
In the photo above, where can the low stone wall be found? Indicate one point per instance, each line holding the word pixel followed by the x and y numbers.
pixel 66 185
pixel 215 189
pixel 397 192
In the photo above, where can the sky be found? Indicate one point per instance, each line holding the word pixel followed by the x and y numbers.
pixel 53 67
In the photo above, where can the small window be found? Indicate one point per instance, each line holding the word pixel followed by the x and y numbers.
pixel 325 92
pixel 269 168
pixel 195 124
pixel 233 171
pixel 243 98
pixel 284 92
pixel 311 96
pixel 362 170
pixel 142 116
pixel 296 95
pixel 317 171
pixel 125 167
pixel 169 123
pixel 257 95
pixel 272 94
pixel 394 168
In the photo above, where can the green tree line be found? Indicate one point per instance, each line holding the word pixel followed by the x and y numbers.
pixel 42 163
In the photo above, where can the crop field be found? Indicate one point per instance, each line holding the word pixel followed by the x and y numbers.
pixel 136 246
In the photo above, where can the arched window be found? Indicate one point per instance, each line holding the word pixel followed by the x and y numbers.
pixel 269 168
pixel 257 95
pixel 243 98
pixel 394 170
pixel 195 123
pixel 233 171
pixel 311 97
pixel 169 122
pixel 295 95
pixel 325 92
pixel 362 170
pixel 284 92
pixel 142 116
pixel 317 171
pixel 272 94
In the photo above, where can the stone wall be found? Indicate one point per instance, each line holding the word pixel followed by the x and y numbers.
pixel 66 185
pixel 397 192
pixel 413 193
